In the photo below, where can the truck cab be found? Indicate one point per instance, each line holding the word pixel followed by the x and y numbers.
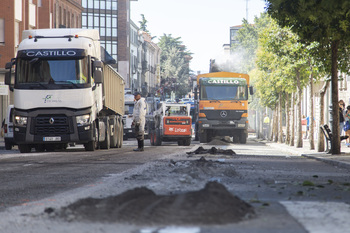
pixel 63 92
pixel 222 106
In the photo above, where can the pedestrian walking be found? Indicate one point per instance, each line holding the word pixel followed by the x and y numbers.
pixel 341 116
pixel 139 120
pixel 303 126
pixel 347 125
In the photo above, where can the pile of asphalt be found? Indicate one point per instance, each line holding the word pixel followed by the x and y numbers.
pixel 213 204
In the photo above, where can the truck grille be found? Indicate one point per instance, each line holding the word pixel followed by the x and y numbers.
pixel 223 114
pixel 51 125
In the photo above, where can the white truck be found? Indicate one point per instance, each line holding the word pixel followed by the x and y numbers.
pixel 129 131
pixel 64 93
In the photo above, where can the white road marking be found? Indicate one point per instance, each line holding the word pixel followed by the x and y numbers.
pixel 320 217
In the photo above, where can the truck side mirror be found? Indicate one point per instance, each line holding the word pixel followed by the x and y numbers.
pixel 196 93
pixel 251 90
pixel 98 74
pixel 8 74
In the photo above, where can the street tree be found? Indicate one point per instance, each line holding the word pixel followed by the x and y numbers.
pixel 283 57
pixel 174 64
pixel 143 23
pixel 325 22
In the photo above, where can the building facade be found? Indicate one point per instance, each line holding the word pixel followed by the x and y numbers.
pixel 112 19
pixel 19 15
pixel 135 57
pixel 150 78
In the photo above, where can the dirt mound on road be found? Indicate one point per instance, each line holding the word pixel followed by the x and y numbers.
pixel 212 205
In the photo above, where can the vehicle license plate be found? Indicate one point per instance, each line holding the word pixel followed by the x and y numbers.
pixel 52 139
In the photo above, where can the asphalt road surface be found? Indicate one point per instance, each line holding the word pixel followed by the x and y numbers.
pixel 289 193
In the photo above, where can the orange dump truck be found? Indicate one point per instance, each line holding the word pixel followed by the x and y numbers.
pixel 172 122
pixel 222 106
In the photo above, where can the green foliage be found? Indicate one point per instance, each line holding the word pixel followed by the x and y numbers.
pixel 143 23
pixel 327 23
pixel 279 56
pixel 320 21
pixel 174 64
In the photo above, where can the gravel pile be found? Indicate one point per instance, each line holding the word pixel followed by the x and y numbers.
pixel 213 204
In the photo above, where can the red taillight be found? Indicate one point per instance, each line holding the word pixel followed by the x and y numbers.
pixel 5 130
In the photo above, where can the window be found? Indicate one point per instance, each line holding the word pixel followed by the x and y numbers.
pixel 2 31
pixel 84 3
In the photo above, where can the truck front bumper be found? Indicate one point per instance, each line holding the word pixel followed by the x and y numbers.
pixel 222 126
pixel 52 126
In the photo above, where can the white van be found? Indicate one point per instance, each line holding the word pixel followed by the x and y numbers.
pixel 8 129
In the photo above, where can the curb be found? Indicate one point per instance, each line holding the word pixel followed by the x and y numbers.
pixel 337 163
pixel 332 160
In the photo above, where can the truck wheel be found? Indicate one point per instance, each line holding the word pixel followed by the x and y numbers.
pixel 157 138
pixel 203 137
pixel 196 134
pixel 24 148
pixel 243 138
pixel 114 137
pixel 180 142
pixel 151 137
pixel 106 144
pixel 39 148
pixel 187 142
pixel 8 145
pixel 120 131
pixel 92 145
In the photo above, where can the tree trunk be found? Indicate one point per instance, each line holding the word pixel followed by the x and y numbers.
pixel 299 126
pixel 261 120
pixel 280 130
pixel 292 139
pixel 273 136
pixel 320 138
pixel 311 111
pixel 335 105
pixel 287 120
pixel 276 124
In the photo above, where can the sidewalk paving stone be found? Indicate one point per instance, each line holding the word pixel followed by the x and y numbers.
pixel 342 160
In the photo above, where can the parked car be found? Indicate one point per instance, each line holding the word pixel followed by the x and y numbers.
pixel 8 128
pixel 185 100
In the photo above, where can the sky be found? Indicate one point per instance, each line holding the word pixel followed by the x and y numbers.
pixel 203 25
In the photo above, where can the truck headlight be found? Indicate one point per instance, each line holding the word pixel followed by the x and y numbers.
pixel 241 125
pixel 83 120
pixel 20 120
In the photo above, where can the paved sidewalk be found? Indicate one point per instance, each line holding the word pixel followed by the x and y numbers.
pixel 341 160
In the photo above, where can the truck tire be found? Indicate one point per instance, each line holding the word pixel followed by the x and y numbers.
pixel 203 137
pixel 120 131
pixel 243 138
pixel 92 145
pixel 114 131
pixel 39 148
pixel 24 148
pixel 151 137
pixel 157 138
pixel 196 134
pixel 180 142
pixel 8 145
pixel 106 144
pixel 187 142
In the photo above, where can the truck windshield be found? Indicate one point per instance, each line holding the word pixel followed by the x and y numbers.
pixel 42 71
pixel 224 92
